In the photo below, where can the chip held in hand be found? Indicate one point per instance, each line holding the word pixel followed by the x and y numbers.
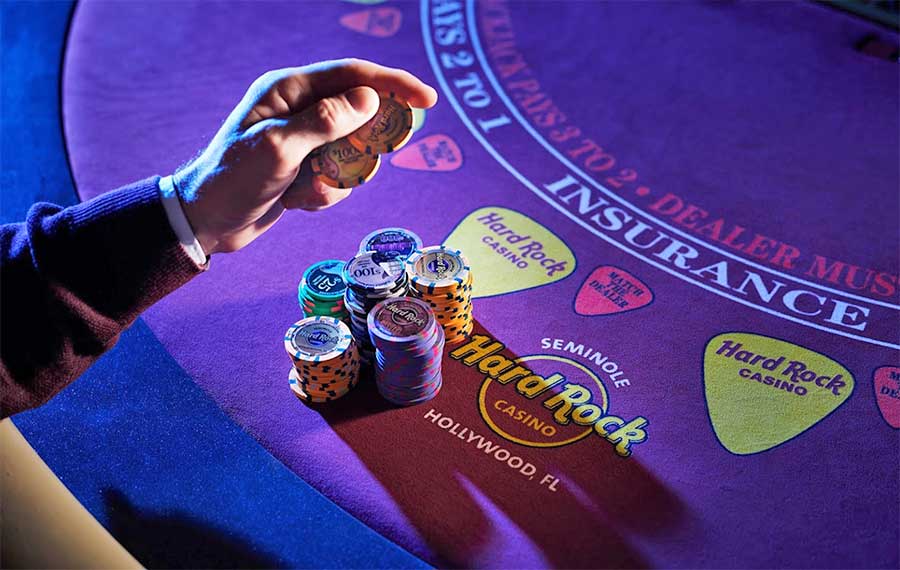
pixel 388 130
pixel 340 165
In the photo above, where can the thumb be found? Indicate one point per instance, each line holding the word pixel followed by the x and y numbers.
pixel 330 119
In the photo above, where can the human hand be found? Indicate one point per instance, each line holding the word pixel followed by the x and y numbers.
pixel 255 167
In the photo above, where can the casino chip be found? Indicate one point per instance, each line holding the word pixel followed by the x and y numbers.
pixel 409 346
pixel 395 244
pixel 340 165
pixel 325 357
pixel 354 159
pixel 441 277
pixel 370 277
pixel 321 291
pixel 388 130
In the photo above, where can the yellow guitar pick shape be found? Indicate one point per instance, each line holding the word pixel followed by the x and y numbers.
pixel 763 391
pixel 510 252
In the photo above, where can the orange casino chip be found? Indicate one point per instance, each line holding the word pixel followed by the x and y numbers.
pixel 388 130
pixel 341 165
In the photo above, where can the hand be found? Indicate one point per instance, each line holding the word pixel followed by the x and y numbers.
pixel 255 167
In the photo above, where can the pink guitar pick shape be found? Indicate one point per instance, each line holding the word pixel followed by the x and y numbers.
pixel 609 290
pixel 436 153
pixel 887 394
pixel 376 22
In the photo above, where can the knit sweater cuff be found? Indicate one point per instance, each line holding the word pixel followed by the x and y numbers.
pixel 128 253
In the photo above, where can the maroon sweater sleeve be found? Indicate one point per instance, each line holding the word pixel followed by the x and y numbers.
pixel 72 279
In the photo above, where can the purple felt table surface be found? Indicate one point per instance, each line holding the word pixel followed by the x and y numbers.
pixel 761 114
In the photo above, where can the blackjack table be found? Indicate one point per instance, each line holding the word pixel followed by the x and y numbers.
pixel 681 223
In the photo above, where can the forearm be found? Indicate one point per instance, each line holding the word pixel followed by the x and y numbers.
pixel 71 280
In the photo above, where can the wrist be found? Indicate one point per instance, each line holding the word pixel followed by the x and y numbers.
pixel 185 186
pixel 177 217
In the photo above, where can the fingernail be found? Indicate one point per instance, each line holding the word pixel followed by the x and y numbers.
pixel 360 99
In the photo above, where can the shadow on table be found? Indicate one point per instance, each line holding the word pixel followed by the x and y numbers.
pixel 168 540
pixel 474 511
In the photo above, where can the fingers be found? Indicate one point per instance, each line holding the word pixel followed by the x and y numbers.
pixel 307 192
pixel 288 91
pixel 340 75
pixel 327 120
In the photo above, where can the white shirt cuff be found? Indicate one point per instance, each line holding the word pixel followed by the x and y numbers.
pixel 179 222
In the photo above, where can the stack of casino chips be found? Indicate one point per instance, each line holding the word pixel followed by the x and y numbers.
pixel 395 244
pixel 326 361
pixel 321 291
pixel 370 277
pixel 409 345
pixel 441 277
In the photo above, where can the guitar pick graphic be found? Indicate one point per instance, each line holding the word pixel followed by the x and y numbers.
pixel 436 153
pixel 762 391
pixel 375 22
pixel 609 290
pixel 418 119
pixel 887 394
pixel 509 251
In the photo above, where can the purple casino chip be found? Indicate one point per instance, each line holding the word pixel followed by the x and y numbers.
pixel 392 243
